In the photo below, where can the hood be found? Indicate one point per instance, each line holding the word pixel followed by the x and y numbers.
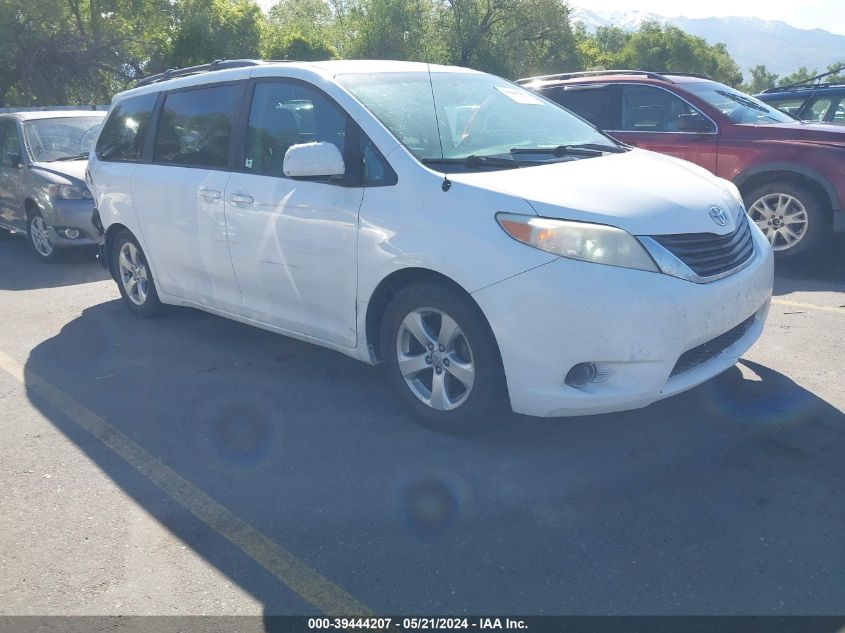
pixel 639 191
pixel 822 133
pixel 71 169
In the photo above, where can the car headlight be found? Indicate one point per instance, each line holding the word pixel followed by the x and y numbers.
pixel 584 241
pixel 69 192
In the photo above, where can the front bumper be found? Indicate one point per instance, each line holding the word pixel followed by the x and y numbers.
pixel 71 214
pixel 634 325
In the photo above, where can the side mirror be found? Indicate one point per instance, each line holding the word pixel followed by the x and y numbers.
pixel 693 122
pixel 313 159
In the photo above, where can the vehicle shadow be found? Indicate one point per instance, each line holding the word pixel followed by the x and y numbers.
pixel 19 270
pixel 824 273
pixel 638 512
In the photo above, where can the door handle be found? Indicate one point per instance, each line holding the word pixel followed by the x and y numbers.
pixel 241 198
pixel 211 194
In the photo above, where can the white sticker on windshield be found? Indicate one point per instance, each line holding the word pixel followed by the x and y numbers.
pixel 519 96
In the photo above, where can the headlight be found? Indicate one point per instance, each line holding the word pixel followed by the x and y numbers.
pixel 68 192
pixel 579 240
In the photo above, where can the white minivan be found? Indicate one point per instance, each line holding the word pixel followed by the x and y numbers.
pixel 483 243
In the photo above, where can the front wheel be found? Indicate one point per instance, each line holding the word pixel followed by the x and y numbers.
pixel 441 355
pixel 134 278
pixel 790 216
pixel 39 238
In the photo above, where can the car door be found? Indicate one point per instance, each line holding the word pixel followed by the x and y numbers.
pixel 650 120
pixel 12 213
pixel 179 196
pixel 293 242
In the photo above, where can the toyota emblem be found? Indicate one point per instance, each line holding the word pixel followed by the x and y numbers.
pixel 718 216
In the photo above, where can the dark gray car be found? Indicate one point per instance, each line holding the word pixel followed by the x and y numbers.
pixel 43 195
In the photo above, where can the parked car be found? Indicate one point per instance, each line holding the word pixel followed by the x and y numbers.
pixel 791 175
pixel 811 100
pixel 496 247
pixel 43 156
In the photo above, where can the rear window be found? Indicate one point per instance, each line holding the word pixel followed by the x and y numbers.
pixel 595 104
pixel 122 136
pixel 195 127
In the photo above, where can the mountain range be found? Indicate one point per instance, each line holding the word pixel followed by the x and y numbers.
pixel 751 41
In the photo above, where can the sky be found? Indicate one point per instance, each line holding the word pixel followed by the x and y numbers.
pixel 806 14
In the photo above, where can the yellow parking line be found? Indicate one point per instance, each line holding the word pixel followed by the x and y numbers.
pixel 808 306
pixel 307 583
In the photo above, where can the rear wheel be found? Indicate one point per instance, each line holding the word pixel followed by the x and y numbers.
pixel 134 278
pixel 790 216
pixel 39 237
pixel 441 356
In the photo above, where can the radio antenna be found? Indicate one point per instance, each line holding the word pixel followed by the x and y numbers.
pixel 446 184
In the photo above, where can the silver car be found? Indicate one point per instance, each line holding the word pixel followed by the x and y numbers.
pixel 43 195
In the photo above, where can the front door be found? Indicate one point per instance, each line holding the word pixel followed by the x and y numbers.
pixel 294 242
pixel 12 213
pixel 649 120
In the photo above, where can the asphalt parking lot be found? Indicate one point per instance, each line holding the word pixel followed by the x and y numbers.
pixel 192 465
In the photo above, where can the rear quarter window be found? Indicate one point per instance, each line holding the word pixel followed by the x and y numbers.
pixel 593 103
pixel 123 134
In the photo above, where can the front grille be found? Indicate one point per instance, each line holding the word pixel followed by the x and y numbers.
pixel 708 254
pixel 711 349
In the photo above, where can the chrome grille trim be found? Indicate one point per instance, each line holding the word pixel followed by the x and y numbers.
pixel 703 257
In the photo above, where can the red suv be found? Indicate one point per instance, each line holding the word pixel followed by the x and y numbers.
pixel 791 174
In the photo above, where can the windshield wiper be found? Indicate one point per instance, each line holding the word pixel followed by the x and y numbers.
pixel 473 162
pixel 584 149
pixel 78 157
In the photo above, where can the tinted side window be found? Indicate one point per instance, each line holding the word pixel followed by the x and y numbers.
pixel 195 127
pixel 595 104
pixel 123 134
pixel 647 109
pixel 285 114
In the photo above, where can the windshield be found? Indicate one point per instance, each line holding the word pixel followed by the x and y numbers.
pixel 737 106
pixel 479 115
pixel 62 138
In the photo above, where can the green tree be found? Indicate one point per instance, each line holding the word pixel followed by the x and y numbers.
pixel 667 48
pixel 206 30
pixel 77 51
pixel 761 79
pixel 512 38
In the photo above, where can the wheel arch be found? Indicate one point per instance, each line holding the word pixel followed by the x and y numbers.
pixel 798 174
pixel 387 289
pixel 108 238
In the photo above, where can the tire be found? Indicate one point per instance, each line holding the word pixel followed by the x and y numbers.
pixel 134 277
pixel 469 357
pixel 794 201
pixel 5 234
pixel 38 238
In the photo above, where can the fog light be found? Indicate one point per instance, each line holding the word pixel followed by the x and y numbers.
pixel 581 375
pixel 71 234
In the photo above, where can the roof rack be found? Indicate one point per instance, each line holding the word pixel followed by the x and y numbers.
pixel 812 82
pixel 696 75
pixel 217 64
pixel 595 73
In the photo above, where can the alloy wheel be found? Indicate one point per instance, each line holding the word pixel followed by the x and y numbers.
pixel 133 273
pixel 782 218
pixel 435 359
pixel 40 236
